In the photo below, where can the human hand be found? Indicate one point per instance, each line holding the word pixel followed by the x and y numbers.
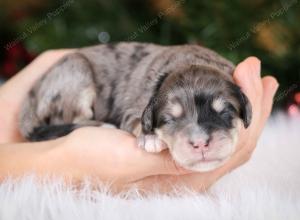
pixel 111 156
pixel 260 92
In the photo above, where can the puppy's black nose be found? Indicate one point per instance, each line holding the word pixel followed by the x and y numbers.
pixel 201 144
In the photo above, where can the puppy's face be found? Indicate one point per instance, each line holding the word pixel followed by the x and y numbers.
pixel 197 112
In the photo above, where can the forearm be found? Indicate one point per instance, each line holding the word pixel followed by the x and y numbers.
pixel 72 159
pixel 55 159
pixel 41 158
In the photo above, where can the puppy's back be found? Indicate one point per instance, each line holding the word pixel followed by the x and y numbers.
pixel 104 83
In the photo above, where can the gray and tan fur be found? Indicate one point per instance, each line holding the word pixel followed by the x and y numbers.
pixel 180 97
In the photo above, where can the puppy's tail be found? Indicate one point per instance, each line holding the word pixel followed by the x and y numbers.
pixel 49 132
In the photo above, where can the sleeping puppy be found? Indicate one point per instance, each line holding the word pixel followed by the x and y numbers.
pixel 178 97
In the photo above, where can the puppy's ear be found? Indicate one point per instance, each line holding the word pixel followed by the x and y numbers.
pixel 148 116
pixel 245 106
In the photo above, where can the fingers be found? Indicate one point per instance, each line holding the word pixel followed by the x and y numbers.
pixel 247 76
pixel 198 182
pixel 270 86
pixel 251 65
pixel 261 93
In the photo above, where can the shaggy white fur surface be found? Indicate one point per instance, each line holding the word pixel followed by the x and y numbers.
pixel 268 187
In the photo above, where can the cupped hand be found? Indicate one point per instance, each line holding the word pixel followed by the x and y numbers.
pixel 260 92
pixel 111 155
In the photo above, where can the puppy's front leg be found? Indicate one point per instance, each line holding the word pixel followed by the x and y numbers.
pixel 149 142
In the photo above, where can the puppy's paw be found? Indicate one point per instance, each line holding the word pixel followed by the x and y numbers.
pixel 151 143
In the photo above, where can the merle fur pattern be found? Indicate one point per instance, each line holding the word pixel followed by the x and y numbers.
pixel 126 84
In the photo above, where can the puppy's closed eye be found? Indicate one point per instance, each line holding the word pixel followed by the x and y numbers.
pixel 229 108
pixel 227 116
pixel 166 119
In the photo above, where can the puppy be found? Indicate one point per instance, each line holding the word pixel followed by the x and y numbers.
pixel 178 97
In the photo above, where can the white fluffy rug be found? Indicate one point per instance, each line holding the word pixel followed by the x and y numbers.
pixel 268 187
